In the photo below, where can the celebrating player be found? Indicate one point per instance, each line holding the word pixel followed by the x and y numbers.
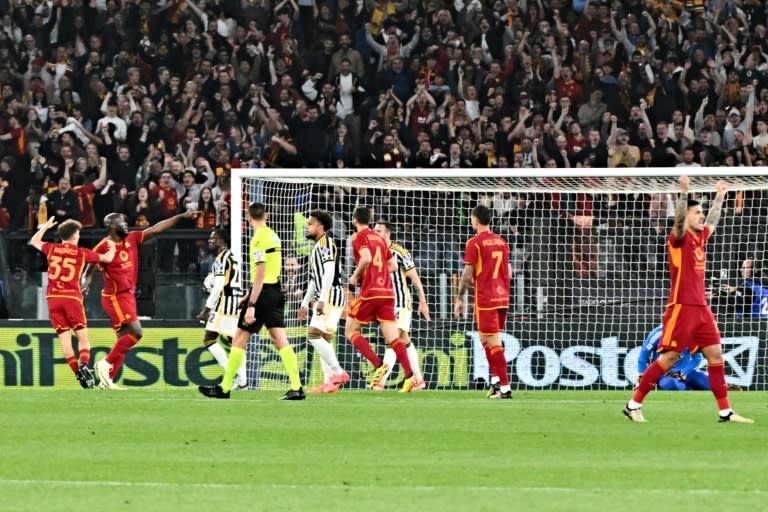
pixel 406 269
pixel 327 294
pixel 376 301
pixel 688 321
pixel 65 300
pixel 221 308
pixel 118 298
pixel 263 306
pixel 486 265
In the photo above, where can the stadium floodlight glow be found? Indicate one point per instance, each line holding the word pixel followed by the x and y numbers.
pixel 589 263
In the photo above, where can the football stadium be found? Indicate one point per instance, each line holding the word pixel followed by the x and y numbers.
pixel 383 255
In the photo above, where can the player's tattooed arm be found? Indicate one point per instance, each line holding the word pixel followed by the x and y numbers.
pixel 681 208
pixel 716 210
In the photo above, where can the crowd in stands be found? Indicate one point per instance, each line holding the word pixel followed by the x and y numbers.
pixel 146 107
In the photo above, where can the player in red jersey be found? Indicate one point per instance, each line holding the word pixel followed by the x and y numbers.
pixel 65 300
pixel 376 300
pixel 118 296
pixel 688 321
pixel 486 266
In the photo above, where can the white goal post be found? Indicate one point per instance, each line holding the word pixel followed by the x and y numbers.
pixel 590 275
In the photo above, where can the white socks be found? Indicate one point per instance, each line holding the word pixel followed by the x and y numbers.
pixel 413 358
pixel 328 360
pixel 219 354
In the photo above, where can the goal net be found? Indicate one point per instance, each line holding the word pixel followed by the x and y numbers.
pixel 589 269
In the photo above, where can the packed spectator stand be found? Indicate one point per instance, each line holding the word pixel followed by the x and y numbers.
pixel 145 107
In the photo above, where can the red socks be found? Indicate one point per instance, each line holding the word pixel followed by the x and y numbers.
pixel 117 354
pixel 402 355
pixel 716 373
pixel 649 379
pixel 487 349
pixel 364 347
pixel 85 356
pixel 498 363
pixel 72 362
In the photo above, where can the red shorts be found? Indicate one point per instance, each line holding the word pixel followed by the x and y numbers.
pixel 120 308
pixel 373 310
pixel 688 327
pixel 491 321
pixel 66 313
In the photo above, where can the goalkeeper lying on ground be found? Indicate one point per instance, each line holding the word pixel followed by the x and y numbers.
pixel 684 376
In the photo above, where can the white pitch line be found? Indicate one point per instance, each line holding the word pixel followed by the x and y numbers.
pixel 421 488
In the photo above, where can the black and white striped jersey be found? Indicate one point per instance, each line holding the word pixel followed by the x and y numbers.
pixel 223 296
pixel 324 251
pixel 405 263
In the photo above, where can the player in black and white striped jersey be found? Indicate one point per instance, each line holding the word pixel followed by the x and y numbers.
pixel 222 308
pixel 406 270
pixel 327 297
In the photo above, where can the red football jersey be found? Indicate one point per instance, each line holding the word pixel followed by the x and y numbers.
pixel 120 275
pixel 489 254
pixel 687 262
pixel 65 266
pixel 375 282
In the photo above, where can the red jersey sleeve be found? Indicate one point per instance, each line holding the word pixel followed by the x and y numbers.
pixel 136 237
pixel 471 253
pixel 46 248
pixel 91 256
pixel 101 247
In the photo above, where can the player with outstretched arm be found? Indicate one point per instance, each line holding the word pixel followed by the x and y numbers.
pixel 118 297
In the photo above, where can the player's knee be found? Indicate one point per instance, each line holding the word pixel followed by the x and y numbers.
pixel 209 339
pixel 137 332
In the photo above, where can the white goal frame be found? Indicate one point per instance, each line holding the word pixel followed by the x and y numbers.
pixel 530 180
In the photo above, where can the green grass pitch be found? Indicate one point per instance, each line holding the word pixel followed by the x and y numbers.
pixel 360 451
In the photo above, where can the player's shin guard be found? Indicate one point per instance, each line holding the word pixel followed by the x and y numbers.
pixel 716 374
pixel 219 354
pixel 494 375
pixel 291 366
pixel 236 357
pixel 72 362
pixel 117 355
pixel 364 347
pixel 402 356
pixel 498 363
pixel 649 379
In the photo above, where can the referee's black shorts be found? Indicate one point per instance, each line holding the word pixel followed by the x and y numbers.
pixel 269 310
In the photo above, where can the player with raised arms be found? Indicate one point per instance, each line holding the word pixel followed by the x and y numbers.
pixel 688 321
pixel 65 300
